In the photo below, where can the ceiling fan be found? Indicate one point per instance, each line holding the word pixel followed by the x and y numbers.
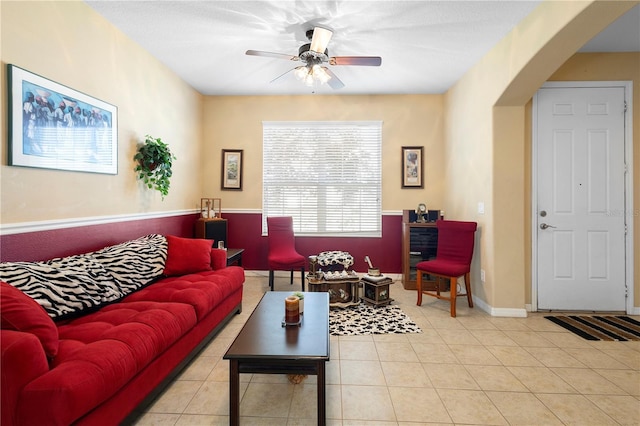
pixel 314 55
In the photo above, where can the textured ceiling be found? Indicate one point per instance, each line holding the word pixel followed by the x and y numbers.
pixel 425 46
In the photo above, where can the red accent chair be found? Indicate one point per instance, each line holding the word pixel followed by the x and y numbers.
pixel 453 260
pixel 282 248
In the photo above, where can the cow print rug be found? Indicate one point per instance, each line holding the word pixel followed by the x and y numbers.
pixel 366 319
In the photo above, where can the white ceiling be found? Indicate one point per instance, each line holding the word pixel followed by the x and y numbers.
pixel 425 46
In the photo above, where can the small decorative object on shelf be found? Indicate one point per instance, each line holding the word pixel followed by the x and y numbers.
pixel 339 275
pixel 374 272
pixel 313 265
pixel 421 212
pixel 210 208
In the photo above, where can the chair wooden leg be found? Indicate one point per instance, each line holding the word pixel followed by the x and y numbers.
pixel 419 287
pixel 291 281
pixel 302 277
pixel 467 284
pixel 453 292
pixel 271 280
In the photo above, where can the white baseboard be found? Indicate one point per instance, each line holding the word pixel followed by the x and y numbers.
pixel 499 312
pixel 634 311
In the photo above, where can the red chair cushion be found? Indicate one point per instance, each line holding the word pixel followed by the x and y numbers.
pixel 444 267
pixel 187 256
pixel 282 248
pixel 21 313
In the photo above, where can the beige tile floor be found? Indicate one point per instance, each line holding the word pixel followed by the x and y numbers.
pixel 473 369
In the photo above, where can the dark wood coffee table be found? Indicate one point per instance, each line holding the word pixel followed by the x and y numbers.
pixel 265 346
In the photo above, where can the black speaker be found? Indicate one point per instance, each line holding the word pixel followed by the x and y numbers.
pixel 214 229
pixel 433 215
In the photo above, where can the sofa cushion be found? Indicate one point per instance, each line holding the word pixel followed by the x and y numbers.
pixel 187 255
pixel 64 286
pixel 204 290
pixel 136 263
pixel 147 328
pixel 99 354
pixel 21 313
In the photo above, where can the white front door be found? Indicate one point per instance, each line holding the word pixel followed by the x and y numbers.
pixel 580 184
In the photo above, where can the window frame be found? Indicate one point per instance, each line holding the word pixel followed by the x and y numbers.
pixel 287 143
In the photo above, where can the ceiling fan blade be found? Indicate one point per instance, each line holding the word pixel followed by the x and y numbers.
pixel 271 55
pixel 282 75
pixel 372 61
pixel 334 81
pixel 320 39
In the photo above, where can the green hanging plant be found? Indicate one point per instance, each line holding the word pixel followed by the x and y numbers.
pixel 153 164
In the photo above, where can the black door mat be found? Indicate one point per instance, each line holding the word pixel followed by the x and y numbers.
pixel 620 328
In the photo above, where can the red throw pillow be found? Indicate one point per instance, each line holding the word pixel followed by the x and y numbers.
pixel 187 255
pixel 21 313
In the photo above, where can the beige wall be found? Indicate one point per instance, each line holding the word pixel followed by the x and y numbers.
pixel 474 136
pixel 235 122
pixel 485 132
pixel 67 42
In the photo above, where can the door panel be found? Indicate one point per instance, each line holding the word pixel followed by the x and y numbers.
pixel 580 185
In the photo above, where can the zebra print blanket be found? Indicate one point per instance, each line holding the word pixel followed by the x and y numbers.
pixel 67 286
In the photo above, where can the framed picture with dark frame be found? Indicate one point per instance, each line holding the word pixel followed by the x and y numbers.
pixel 52 126
pixel 232 169
pixel 412 167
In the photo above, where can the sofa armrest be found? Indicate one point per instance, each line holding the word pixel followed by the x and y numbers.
pixel 23 360
pixel 218 259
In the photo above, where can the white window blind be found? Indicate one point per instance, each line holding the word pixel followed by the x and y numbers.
pixel 326 175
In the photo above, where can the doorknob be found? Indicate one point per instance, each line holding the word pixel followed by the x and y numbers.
pixel 545 226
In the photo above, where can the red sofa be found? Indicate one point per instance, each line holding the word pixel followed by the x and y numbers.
pixel 113 346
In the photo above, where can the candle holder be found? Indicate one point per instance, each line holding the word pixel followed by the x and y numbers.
pixel 291 311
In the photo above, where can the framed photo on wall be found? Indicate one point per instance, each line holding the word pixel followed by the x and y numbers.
pixel 52 126
pixel 412 167
pixel 232 169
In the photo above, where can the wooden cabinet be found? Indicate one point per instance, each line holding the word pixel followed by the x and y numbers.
pixel 419 242
pixel 212 229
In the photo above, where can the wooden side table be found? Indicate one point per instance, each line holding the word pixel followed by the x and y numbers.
pixel 376 293
pixel 234 256
pixel 342 293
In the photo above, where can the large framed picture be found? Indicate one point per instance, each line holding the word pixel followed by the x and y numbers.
pixel 232 169
pixel 412 167
pixel 52 126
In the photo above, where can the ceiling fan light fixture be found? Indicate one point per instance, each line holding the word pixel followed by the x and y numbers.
pixel 320 74
pixel 320 39
pixel 301 72
pixel 311 74
pixel 309 80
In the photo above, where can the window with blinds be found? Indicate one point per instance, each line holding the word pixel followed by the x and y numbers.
pixel 326 175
